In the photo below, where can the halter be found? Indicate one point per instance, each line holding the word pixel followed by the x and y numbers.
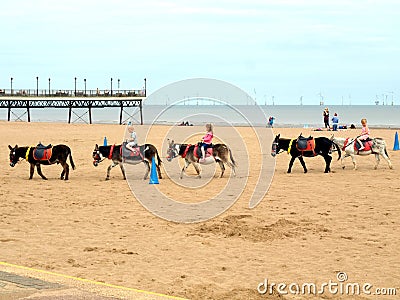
pixel 274 146
pixel 173 152
pixel 98 155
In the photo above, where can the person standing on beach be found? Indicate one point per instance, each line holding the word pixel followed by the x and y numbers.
pixel 271 122
pixel 326 117
pixel 364 134
pixel 335 122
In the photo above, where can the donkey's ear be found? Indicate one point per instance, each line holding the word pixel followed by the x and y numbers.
pixel 96 147
pixel 9 147
pixel 278 136
pixel 16 146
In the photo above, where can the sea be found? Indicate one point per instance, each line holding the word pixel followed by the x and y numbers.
pixel 379 116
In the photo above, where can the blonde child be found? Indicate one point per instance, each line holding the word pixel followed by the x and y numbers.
pixel 364 133
pixel 132 138
pixel 206 141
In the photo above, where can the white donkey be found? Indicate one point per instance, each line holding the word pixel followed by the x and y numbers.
pixel 377 147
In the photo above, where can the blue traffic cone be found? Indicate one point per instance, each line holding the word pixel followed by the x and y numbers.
pixel 396 142
pixel 105 141
pixel 153 173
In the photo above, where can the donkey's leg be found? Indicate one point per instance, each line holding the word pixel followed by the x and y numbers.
pixel 109 169
pixel 341 160
pixel 31 171
pixel 39 170
pixel 303 164
pixel 328 160
pixel 121 165
pixel 291 164
pixel 66 169
pixel 147 169
pixel 221 165
pixel 232 166
pixel 187 163
pixel 353 158
pixel 383 153
pixel 377 160
pixel 159 171
pixel 198 169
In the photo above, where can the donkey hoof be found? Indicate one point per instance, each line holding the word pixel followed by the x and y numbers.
pixel 107 178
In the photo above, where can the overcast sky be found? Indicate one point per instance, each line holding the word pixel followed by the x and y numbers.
pixel 349 51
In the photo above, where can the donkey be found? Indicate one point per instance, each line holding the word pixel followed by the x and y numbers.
pixel 322 146
pixel 218 153
pixel 375 146
pixel 119 154
pixel 41 155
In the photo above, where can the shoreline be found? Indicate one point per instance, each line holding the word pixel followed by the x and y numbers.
pixel 313 127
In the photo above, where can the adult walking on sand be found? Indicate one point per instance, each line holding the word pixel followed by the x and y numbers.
pixel 326 117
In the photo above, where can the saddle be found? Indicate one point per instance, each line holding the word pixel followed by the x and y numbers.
pixel 136 154
pixel 42 152
pixel 197 151
pixel 305 143
pixel 366 143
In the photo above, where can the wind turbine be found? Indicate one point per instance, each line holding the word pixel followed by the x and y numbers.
pixel 321 101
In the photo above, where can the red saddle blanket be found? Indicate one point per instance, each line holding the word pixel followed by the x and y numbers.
pixel 42 154
pixel 309 146
pixel 197 151
pixel 367 146
pixel 136 154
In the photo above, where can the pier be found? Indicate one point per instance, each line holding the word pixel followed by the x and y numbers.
pixel 72 99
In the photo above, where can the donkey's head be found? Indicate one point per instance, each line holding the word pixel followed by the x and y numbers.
pixel 14 155
pixel 96 156
pixel 275 146
pixel 173 150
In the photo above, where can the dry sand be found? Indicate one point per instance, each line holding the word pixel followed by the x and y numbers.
pixel 308 227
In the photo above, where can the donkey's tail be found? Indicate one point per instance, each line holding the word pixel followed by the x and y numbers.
pixel 338 149
pixel 159 161
pixel 231 157
pixel 71 160
pixel 386 151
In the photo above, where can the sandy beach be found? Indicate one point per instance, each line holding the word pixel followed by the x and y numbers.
pixel 308 227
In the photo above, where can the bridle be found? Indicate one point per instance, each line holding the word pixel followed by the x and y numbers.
pixel 172 152
pixel 275 145
pixel 97 158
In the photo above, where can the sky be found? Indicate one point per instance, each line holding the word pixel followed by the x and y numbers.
pixel 286 52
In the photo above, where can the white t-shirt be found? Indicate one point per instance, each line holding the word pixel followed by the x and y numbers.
pixel 133 139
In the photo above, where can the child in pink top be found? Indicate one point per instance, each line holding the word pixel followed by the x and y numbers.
pixel 364 133
pixel 206 141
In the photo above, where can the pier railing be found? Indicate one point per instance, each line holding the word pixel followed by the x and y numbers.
pixel 71 93
pixel 71 99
